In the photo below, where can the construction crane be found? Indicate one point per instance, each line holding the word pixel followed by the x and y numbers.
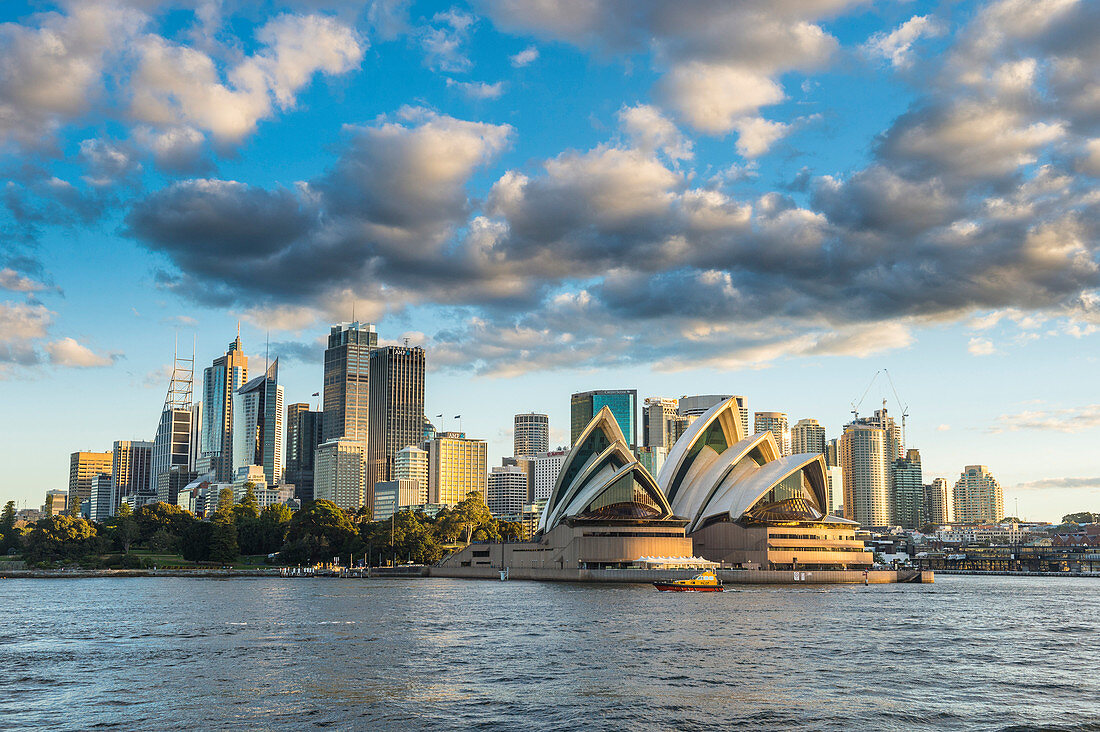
pixel 856 404
pixel 904 408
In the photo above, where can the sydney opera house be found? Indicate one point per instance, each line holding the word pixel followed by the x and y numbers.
pixel 726 496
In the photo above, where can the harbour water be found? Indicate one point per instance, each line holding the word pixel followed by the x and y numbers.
pixel 996 653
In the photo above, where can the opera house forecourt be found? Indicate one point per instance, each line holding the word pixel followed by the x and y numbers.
pixel 722 496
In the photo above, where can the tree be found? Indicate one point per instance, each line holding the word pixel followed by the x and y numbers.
pixel 160 516
pixel 223 537
pixel 466 517
pixel 248 508
pixel 59 537
pixel 196 540
pixel 407 535
pixel 273 523
pixel 9 537
pixel 74 506
pixel 1084 517
pixel 322 530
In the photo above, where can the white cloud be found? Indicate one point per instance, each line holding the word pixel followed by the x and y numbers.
pixel 756 135
pixel 1090 163
pixel 1070 420
pixel 713 98
pixel 527 56
pixel 652 132
pixel 897 46
pixel 15 282
pixel 981 347
pixel 68 352
pixel 478 89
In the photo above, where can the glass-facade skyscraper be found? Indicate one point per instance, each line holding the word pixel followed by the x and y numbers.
pixel 623 404
pixel 303 435
pixel 347 381
pixel 396 413
pixel 220 381
pixel 258 425
pixel 909 491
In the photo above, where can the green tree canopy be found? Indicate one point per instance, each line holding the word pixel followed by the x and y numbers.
pixel 223 537
pixel 320 531
pixel 154 517
pixel 465 518
pixel 74 505
pixel 407 536
pixel 59 537
pixel 248 508
pixel 9 537
pixel 124 511
pixel 273 523
pixel 1084 517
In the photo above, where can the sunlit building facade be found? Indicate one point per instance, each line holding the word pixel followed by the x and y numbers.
pixel 978 497
pixel 338 473
pixel 457 466
pixel 83 468
pixel 220 383
pixel 776 423
pixel 531 434
pixel 623 404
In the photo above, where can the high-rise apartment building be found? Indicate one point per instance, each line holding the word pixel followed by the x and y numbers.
pixel 531 434
pixel 506 491
pixel 411 463
pixel 776 423
pixel 339 473
pixel 396 415
pixel 807 436
pixel 100 503
pixel 909 491
pixel 131 474
pixel 868 493
pixel 939 502
pixel 979 498
pixel 456 467
pixel 347 381
pixel 83 468
pixel 623 403
pixel 547 466
pixel 220 382
pixel 834 484
pixel 697 405
pixel 258 437
pixel 303 435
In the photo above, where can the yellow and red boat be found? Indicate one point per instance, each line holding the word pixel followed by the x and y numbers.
pixel 703 582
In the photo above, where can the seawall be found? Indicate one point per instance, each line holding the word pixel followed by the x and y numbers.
pixel 728 576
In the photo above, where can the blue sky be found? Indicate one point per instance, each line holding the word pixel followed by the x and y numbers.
pixel 774 199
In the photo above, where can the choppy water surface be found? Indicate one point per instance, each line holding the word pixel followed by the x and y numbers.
pixel 168 653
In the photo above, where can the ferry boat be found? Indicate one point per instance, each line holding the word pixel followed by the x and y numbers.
pixel 703 582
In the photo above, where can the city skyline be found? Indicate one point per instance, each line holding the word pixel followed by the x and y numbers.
pixel 904 187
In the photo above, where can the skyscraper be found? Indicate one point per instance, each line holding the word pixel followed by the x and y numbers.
pixel 131 474
pixel 220 382
pixel 411 463
pixel 978 496
pixel 173 449
pixel 547 467
pixel 303 435
pixel 868 493
pixel 456 467
pixel 396 415
pixel 662 423
pixel 807 436
pixel 623 403
pixel 776 423
pixel 347 381
pixel 909 491
pixel 339 472
pixel 258 425
pixel 939 501
pixel 83 468
pixel 531 434
pixel 506 491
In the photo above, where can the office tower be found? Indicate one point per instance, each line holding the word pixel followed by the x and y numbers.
pixel 531 434
pixel 411 463
pixel 623 403
pixel 456 467
pixel 428 433
pixel 834 483
pixel 868 493
pixel 776 423
pixel 939 501
pixel 57 502
pixel 258 437
pixel 909 491
pixel 695 406
pixel 131 474
pixel 547 466
pixel 662 422
pixel 807 437
pixel 391 496
pixel 396 414
pixel 506 491
pixel 978 497
pixel 832 452
pixel 172 447
pixel 220 382
pixel 83 467
pixel 196 436
pixel 339 472
pixel 303 435
pixel 99 508
pixel 652 458
pixel 347 381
